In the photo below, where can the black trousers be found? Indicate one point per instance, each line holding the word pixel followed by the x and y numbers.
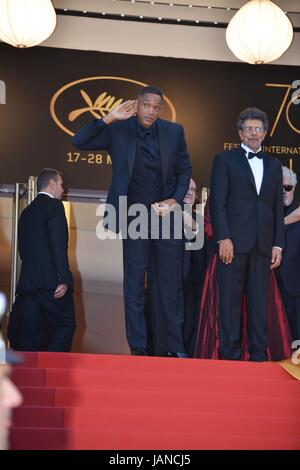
pixel 292 308
pixel 166 256
pixel 247 273
pixel 45 323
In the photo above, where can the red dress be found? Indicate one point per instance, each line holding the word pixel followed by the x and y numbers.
pixel 207 340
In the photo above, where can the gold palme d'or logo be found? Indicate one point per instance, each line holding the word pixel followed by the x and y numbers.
pixel 99 107
pixel 102 106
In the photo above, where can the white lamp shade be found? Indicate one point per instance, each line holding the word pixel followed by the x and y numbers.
pixel 26 23
pixel 259 32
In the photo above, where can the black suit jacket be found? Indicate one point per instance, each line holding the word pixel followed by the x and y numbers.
pixel 238 212
pixel 290 266
pixel 119 139
pixel 43 245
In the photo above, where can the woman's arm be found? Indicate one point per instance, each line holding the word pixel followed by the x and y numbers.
pixel 293 217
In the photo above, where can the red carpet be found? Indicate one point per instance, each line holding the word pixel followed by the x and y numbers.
pixel 82 401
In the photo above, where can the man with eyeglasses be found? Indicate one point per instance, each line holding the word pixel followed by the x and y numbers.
pixel 246 207
pixel 288 274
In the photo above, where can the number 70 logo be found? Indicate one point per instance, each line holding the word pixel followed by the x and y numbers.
pixel 295 99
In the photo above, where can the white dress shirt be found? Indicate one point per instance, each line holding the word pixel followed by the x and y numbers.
pixel 44 192
pixel 256 165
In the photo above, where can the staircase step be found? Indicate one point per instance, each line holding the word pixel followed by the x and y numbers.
pixel 41 439
pixel 122 439
pixel 119 439
pixel 195 401
pixel 157 380
pixel 156 420
pixel 126 396
pixel 107 362
pixel 38 396
pixel 28 376
pixel 38 417
pixel 29 359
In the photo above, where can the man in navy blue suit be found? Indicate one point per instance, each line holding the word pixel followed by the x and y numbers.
pixel 151 167
pixel 246 206
pixel 288 273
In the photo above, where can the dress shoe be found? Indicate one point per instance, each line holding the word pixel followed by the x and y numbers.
pixel 231 354
pixel 139 352
pixel 177 354
pixel 258 357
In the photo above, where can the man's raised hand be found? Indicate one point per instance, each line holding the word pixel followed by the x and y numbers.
pixel 122 111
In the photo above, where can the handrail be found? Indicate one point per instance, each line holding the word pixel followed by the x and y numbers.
pixel 31 194
pixel 32 191
pixel 14 246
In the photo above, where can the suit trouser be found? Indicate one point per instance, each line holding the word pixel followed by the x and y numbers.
pixel 48 323
pixel 192 289
pixel 247 273
pixel 168 264
pixel 292 308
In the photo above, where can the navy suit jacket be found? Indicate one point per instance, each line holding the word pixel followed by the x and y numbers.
pixel 290 265
pixel 238 212
pixel 120 140
pixel 43 245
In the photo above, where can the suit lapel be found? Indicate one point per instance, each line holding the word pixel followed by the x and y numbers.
pixel 266 162
pixel 245 165
pixel 131 144
pixel 163 140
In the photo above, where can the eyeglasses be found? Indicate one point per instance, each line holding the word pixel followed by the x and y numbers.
pixel 288 187
pixel 249 129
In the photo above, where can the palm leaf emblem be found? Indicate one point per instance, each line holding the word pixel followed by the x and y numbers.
pixel 103 104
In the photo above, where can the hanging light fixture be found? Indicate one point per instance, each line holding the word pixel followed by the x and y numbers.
pixel 259 32
pixel 26 23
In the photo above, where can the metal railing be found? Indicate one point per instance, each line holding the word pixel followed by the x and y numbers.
pixel 19 203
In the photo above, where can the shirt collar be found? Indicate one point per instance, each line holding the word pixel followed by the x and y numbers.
pixel 247 150
pixel 143 131
pixel 47 194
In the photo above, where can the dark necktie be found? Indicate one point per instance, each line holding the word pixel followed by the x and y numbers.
pixel 252 155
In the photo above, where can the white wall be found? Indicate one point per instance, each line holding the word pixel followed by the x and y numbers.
pixel 97 269
pixel 151 39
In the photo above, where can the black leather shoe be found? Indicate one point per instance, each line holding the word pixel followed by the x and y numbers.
pixel 139 352
pixel 177 354
pixel 262 357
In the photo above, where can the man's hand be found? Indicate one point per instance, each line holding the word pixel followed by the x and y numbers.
pixel 60 291
pixel 122 111
pixel 163 208
pixel 226 251
pixel 276 257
